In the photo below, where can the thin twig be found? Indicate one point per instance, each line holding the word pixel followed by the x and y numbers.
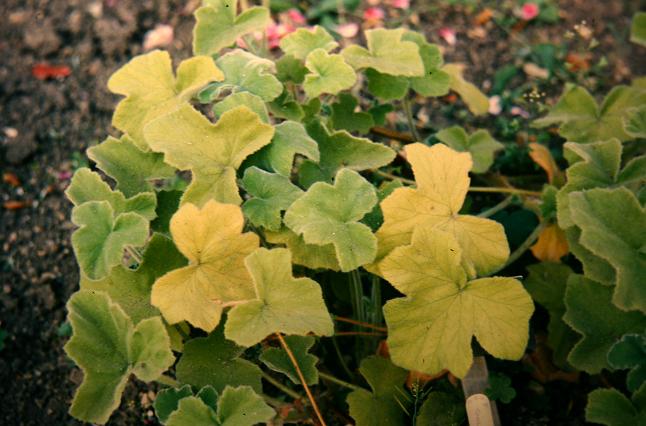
pixel 361 323
pixel 524 246
pixel 498 207
pixel 300 376
pixel 135 254
pixel 282 387
pixel 409 116
pixel 338 381
pixel 168 381
pixel 392 134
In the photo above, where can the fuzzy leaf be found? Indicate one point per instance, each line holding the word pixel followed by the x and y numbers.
pixel 130 167
pixel 340 149
pixel 589 311
pixel 245 72
pixel 167 401
pixel 385 86
pixel 288 68
pixel 108 348
pixel 283 303
pixel 382 405
pixel 345 118
pixel 290 139
pixel 476 101
pixel 617 236
pixel 500 388
pixel 213 152
pixel 278 360
pixel 101 238
pixel 583 121
pixel 441 409
pixel 611 408
pixel 152 90
pixel 87 186
pixel 638 29
pixel 212 241
pixel 271 194
pixel 546 283
pixel 192 411
pixel 630 353
pixel 635 122
pixel 328 74
pixel 249 100
pixel 286 107
pixel 432 328
pixel 386 53
pixel 594 267
pixel 215 361
pixel 219 25
pixel 442 177
pixel 310 255
pixel 329 214
pixel 480 144
pixel 303 41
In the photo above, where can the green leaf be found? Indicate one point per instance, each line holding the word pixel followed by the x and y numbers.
pixel 328 74
pixel 192 411
pixel 583 121
pixel 101 238
pixel 329 214
pixel 435 82
pixel 211 239
pixel 616 235
pixel 278 360
pixel 87 186
pixel 290 139
pixel 167 401
pixel 386 53
pixel 500 388
pixel 589 311
pixel 215 361
pixel 441 409
pixel 611 408
pixel 442 177
pixel 245 72
pixel 476 101
pixel 387 87
pixel 249 100
pixel 130 288
pixel 630 353
pixel 288 68
pixel 546 283
pixel 152 90
pixel 310 255
pixel 213 152
pixel 480 144
pixel 431 329
pixel 167 205
pixel 382 405
pixel 130 167
pixel 344 116
pixel 219 25
pixel 283 303
pixel 635 122
pixel 594 267
pixel 271 193
pixel 303 41
pixel 339 149
pixel 638 29
pixel 286 107
pixel 108 348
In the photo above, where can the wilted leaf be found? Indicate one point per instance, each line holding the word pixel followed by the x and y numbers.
pixel 551 245
pixel 480 144
pixel 543 157
pixel 328 74
pixel 278 360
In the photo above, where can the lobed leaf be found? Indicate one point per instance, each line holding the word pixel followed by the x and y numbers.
pixel 327 74
pixel 151 89
pixel 431 329
pixel 283 304
pixel 611 408
pixel 213 152
pixel 238 99
pixel 344 116
pixel 278 360
pixel 635 122
pixel 441 409
pixel 310 255
pixel 480 144
pixel 300 43
pixel 211 239
pixel 630 353
pixel 476 101
pixel 290 139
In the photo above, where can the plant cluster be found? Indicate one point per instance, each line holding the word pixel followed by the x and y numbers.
pixel 196 282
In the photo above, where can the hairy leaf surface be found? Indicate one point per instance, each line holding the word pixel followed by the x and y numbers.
pixel 328 74
pixel 303 41
pixel 611 408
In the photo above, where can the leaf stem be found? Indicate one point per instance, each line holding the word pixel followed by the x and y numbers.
pixel 531 239
pixel 357 295
pixel 361 323
pixel 409 116
pixel 135 254
pixel 498 207
pixel 339 355
pixel 168 381
pixel 377 315
pixel 300 376
pixel 392 134
pixel 359 333
pixel 282 387
pixel 338 381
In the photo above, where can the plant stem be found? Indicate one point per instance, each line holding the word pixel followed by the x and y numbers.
pixel 524 246
pixel 362 324
pixel 282 387
pixel 498 207
pixel 359 333
pixel 377 315
pixel 392 134
pixel 168 381
pixel 409 116
pixel 357 295
pixel 134 253
pixel 494 189
pixel 340 382
pixel 339 355
pixel 300 376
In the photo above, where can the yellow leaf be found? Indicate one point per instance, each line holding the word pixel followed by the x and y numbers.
pixel 551 245
pixel 477 101
pixel 216 277
pixel 543 157
pixel 442 176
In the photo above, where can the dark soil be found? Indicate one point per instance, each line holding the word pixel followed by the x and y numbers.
pixel 45 127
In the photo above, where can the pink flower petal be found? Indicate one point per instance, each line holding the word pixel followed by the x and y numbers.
pixel 519 111
pixel 448 35
pixel 348 30
pixel 529 11
pixel 373 14
pixel 160 36
pixel 296 17
pixel 400 4
pixel 494 105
